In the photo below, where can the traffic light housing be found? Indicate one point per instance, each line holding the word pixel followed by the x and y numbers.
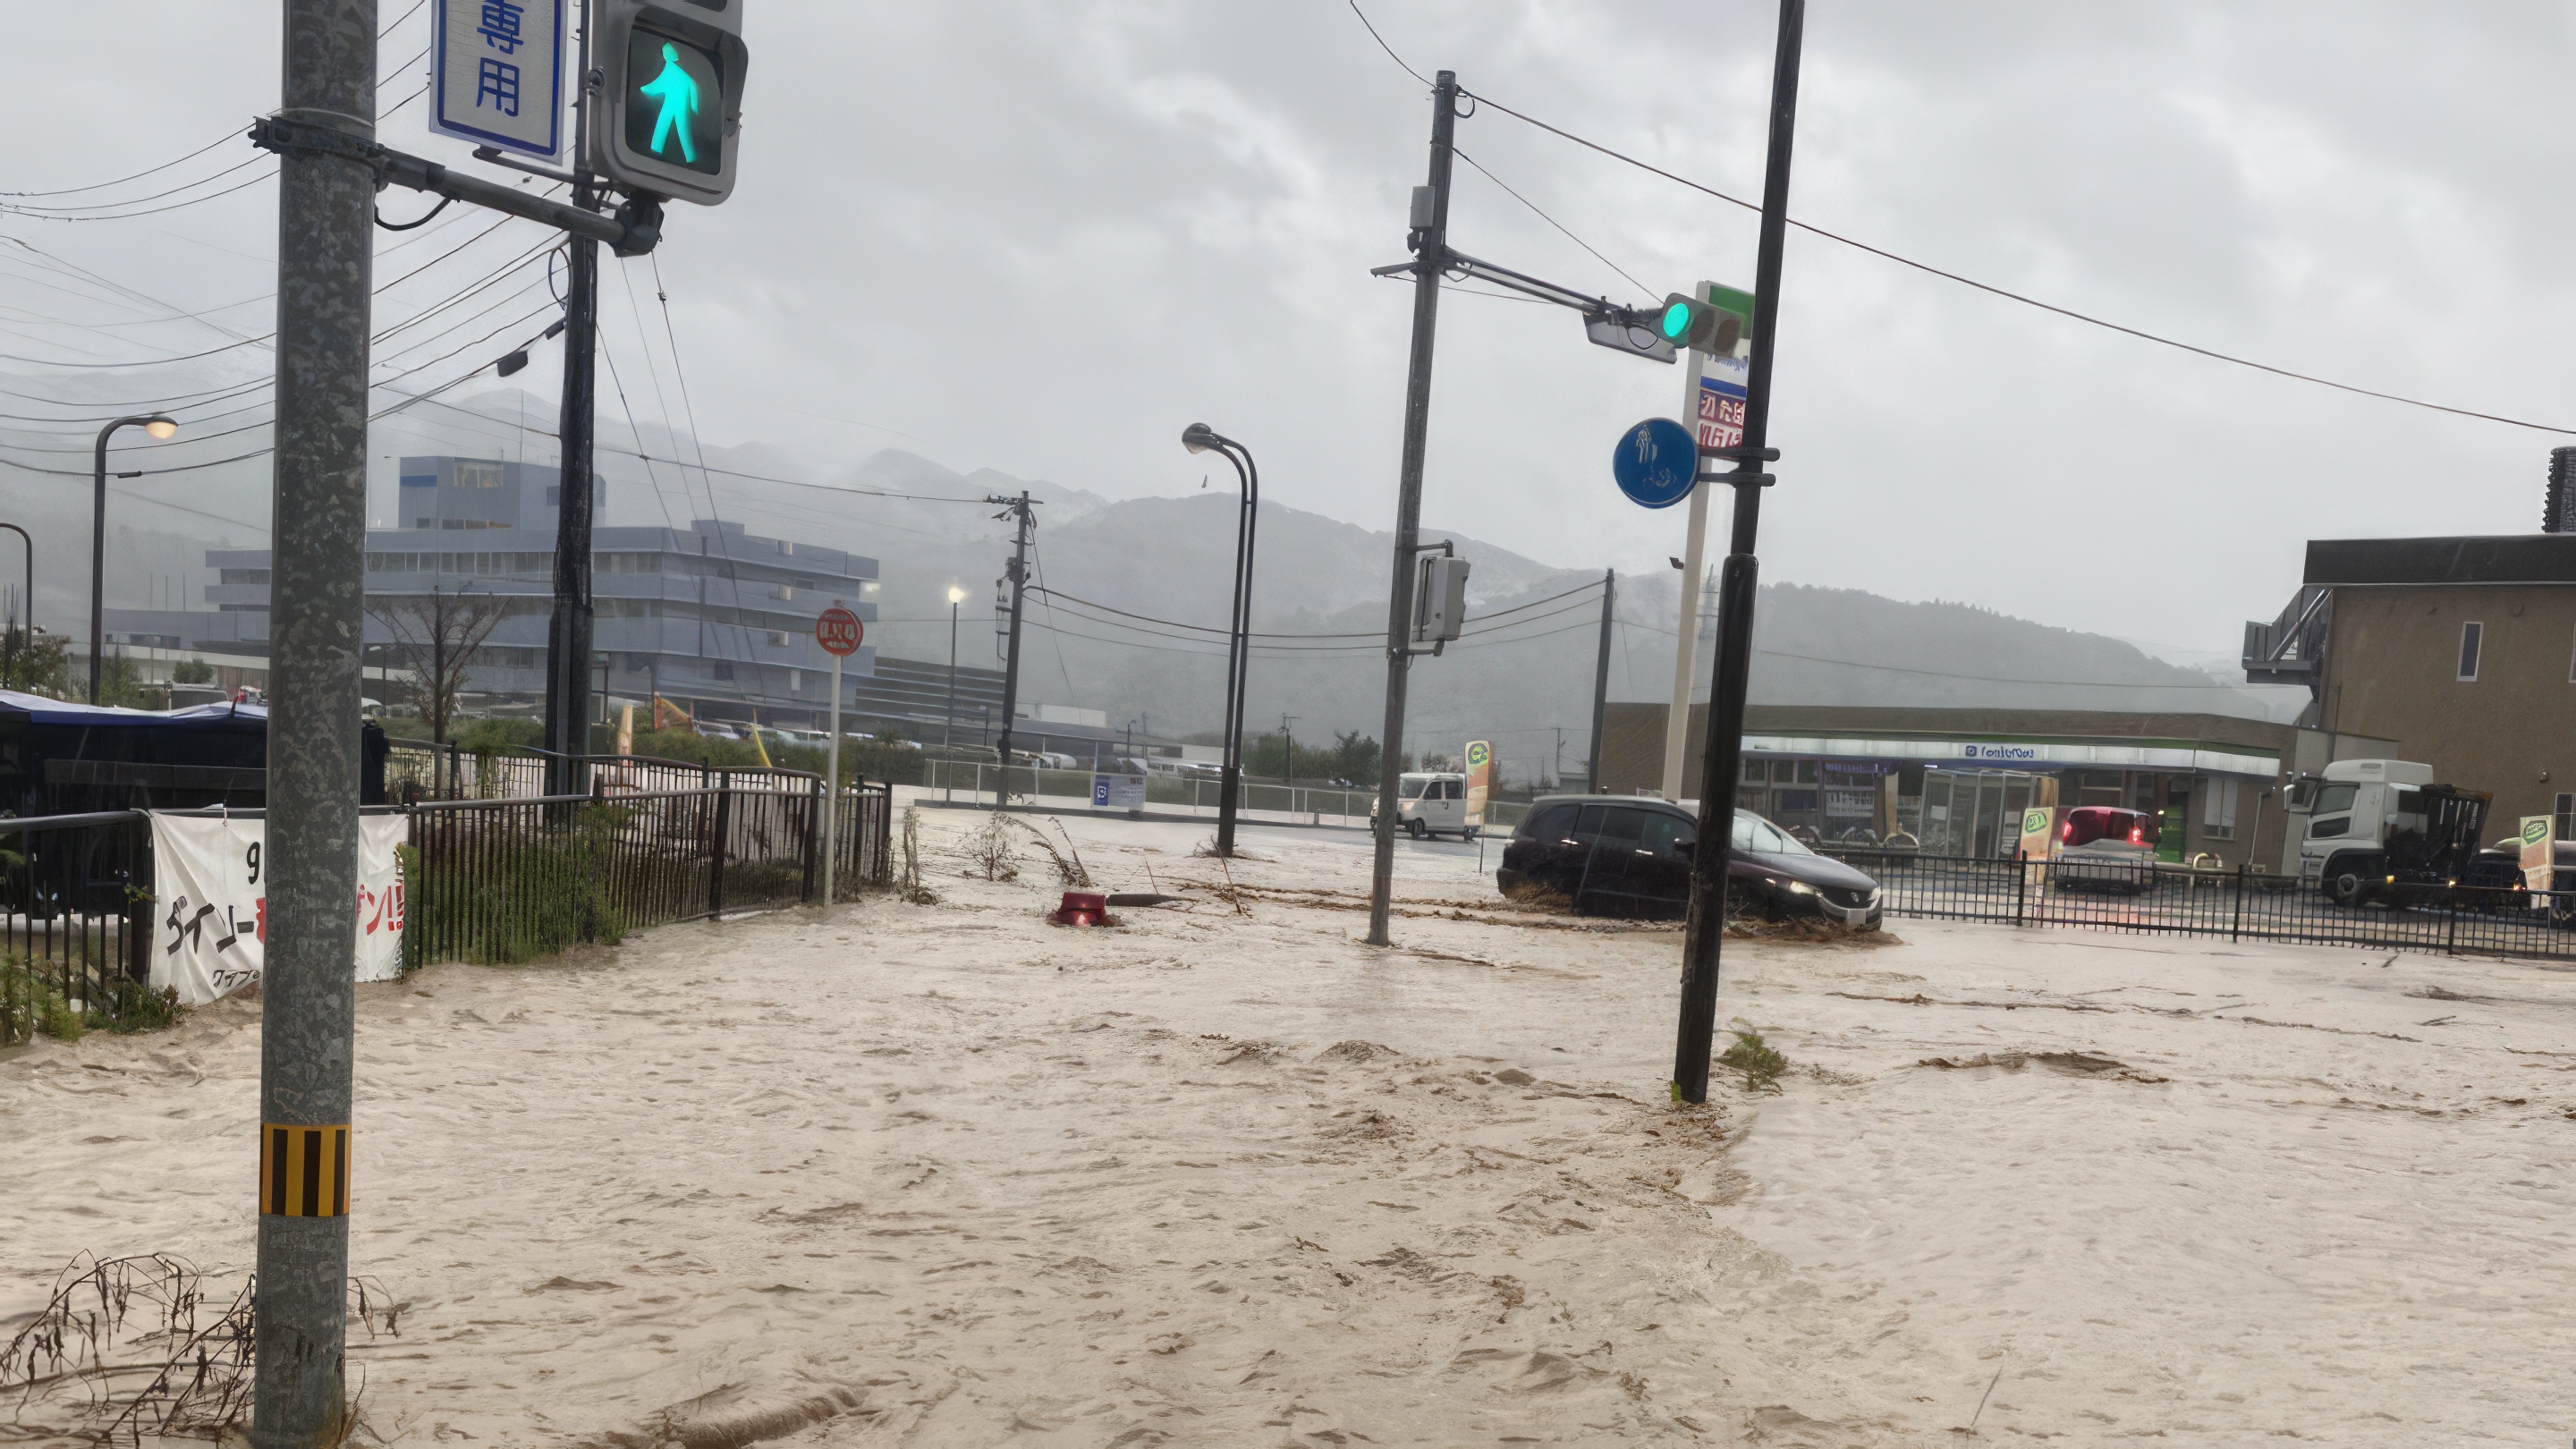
pixel 1687 322
pixel 667 80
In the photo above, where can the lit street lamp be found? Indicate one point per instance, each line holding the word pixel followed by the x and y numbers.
pixel 160 426
pixel 1200 438
pixel 948 732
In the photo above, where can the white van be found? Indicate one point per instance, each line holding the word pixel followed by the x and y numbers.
pixel 1429 804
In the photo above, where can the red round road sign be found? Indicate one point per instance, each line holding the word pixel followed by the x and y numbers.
pixel 839 631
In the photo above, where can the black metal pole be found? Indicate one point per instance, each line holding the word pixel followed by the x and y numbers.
pixel 1238 658
pixel 308 1015
pixel 1011 666
pixel 569 634
pixel 98 545
pixel 1720 759
pixel 1430 240
pixel 1601 681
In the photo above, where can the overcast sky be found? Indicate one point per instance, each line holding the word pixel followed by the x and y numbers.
pixel 1042 237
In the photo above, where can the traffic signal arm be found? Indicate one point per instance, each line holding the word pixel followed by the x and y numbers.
pixel 633 231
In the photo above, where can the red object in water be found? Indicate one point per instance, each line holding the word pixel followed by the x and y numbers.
pixel 1081 908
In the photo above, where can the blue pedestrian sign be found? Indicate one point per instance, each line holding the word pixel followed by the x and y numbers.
pixel 1656 463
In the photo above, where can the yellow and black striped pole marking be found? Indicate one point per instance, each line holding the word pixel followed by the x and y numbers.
pixel 304 1171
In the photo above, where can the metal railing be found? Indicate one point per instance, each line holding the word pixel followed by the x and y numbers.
pixel 2237 903
pixel 75 925
pixel 1296 804
pixel 485 881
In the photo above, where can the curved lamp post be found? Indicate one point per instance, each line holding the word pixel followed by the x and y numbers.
pixel 1200 438
pixel 160 426
pixel 8 657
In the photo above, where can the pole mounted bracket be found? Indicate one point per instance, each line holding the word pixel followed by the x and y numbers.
pixel 1742 455
pixel 632 232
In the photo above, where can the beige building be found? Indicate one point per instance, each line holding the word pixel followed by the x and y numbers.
pixel 2462 651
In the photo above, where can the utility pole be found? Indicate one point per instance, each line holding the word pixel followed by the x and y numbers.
pixel 325 277
pixel 568 634
pixel 1017 508
pixel 1430 247
pixel 1722 755
pixel 1290 736
pixel 1601 681
pixel 1694 573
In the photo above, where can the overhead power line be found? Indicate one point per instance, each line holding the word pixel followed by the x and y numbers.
pixel 1926 267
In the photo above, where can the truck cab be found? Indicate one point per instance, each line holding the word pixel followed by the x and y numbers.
pixel 2366 826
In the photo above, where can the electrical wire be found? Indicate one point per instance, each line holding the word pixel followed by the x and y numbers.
pixel 2026 300
pixel 1987 287
pixel 1551 221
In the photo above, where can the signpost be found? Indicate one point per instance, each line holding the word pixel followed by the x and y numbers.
pixel 1713 394
pixel 839 632
pixel 2539 857
pixel 496 74
pixel 1480 781
pixel 1656 463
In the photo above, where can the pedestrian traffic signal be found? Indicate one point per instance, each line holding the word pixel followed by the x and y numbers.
pixel 1688 322
pixel 668 88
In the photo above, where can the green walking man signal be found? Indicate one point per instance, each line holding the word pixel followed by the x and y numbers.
pixel 669 86
pixel 679 97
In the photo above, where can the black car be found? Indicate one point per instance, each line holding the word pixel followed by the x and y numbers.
pixel 1616 855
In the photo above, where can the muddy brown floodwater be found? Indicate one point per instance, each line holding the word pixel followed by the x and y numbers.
pixel 942 1174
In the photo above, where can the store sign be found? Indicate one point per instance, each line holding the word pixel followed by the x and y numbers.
pixel 2038 834
pixel 1723 384
pixel 1117 792
pixel 2010 753
pixel 1480 779
pixel 2539 856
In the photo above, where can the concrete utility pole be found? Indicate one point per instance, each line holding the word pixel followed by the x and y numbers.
pixel 570 631
pixel 325 272
pixel 1723 753
pixel 1430 247
pixel 1601 681
pixel 1017 508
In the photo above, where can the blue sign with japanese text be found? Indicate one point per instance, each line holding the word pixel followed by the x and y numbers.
pixel 1656 463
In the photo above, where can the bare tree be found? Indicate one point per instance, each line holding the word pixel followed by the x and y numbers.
pixel 437 635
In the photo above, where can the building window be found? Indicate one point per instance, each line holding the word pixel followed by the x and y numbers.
pixel 2218 809
pixel 2563 816
pixel 721 669
pixel 2472 635
pixel 777 638
pixel 1756 772
pixel 478 473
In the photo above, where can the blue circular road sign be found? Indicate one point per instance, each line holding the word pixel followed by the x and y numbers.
pixel 1656 462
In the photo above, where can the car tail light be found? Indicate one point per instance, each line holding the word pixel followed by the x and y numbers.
pixel 2137 835
pixel 2068 834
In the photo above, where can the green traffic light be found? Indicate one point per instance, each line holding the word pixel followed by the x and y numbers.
pixel 1677 321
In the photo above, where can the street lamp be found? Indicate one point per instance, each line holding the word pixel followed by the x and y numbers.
pixel 948 732
pixel 1200 438
pixel 8 652
pixel 162 428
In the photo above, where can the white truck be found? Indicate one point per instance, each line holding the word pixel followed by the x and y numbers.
pixel 2382 829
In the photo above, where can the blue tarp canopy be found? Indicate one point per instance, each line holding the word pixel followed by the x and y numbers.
pixel 36 709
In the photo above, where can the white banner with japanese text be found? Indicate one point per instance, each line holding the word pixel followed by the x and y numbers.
pixel 210 903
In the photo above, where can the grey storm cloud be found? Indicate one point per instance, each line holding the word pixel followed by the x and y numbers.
pixel 1041 237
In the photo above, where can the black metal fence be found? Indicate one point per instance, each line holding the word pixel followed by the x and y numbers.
pixel 484 881
pixel 75 890
pixel 2238 904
